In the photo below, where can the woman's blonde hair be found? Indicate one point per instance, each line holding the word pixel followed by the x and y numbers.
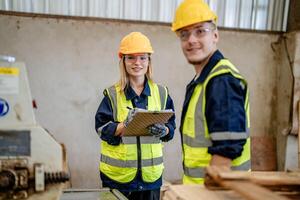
pixel 124 80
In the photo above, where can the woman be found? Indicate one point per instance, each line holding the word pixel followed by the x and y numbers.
pixel 133 165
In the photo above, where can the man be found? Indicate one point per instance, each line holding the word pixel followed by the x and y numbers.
pixel 215 115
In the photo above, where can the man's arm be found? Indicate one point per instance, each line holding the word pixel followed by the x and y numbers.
pixel 220 161
pixel 226 118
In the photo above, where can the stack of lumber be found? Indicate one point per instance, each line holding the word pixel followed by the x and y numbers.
pixel 256 185
pixel 197 192
pixel 239 185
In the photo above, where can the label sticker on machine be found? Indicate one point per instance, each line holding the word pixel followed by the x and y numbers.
pixel 9 80
pixel 4 107
pixel 15 143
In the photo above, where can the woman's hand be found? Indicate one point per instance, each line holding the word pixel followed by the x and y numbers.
pixel 120 129
pixel 158 130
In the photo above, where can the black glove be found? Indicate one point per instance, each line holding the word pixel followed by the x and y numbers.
pixel 158 130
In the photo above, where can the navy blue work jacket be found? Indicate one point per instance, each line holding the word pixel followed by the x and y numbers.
pixel 105 114
pixel 224 112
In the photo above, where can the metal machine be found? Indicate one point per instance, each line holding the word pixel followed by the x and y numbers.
pixel 30 158
pixel 32 163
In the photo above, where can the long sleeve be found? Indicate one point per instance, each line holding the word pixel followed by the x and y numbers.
pixel 104 123
pixel 225 115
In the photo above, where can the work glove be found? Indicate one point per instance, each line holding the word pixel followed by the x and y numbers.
pixel 158 130
pixel 130 115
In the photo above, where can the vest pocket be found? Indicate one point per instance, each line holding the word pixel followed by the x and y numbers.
pixel 156 150
pixel 116 163
pixel 153 167
pixel 189 126
pixel 117 152
pixel 152 162
pixel 196 156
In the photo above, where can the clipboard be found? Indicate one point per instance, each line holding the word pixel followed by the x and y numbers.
pixel 144 118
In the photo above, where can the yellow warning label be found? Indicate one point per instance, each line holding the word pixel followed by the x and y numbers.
pixel 9 71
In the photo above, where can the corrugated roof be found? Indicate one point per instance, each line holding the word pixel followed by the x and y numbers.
pixel 246 14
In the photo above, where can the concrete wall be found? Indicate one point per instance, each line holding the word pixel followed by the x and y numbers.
pixel 71 61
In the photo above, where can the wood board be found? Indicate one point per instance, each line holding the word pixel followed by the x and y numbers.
pixel 197 192
pixel 255 185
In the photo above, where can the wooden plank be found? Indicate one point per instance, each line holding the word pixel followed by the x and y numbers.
pixel 166 196
pixel 264 178
pixel 244 188
pixel 193 192
pixel 171 195
pixel 197 192
pixel 251 191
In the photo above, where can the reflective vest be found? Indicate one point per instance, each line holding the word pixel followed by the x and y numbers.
pixel 120 162
pixel 195 134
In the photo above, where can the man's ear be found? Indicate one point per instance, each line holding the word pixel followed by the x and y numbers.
pixel 216 36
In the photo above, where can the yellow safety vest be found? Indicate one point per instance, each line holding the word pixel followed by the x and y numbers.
pixel 120 162
pixel 195 134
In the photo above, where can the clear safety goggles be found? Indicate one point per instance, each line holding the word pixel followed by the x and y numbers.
pixel 133 58
pixel 197 32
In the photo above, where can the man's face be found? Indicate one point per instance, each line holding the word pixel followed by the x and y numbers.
pixel 198 41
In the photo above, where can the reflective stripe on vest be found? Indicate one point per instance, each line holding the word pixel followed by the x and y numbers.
pixel 196 137
pixel 131 163
pixel 120 162
pixel 199 172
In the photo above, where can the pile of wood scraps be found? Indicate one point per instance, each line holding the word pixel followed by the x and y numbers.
pixel 223 184
pixel 197 192
pixel 256 185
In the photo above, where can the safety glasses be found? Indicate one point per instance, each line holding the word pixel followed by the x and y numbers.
pixel 197 32
pixel 133 58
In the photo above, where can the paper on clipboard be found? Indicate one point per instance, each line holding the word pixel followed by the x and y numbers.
pixel 144 118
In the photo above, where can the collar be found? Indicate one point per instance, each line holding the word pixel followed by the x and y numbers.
pixel 130 93
pixel 214 59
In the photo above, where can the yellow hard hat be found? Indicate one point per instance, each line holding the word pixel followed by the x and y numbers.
pixel 190 12
pixel 135 42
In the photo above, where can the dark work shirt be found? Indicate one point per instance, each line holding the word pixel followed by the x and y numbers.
pixel 104 116
pixel 224 112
